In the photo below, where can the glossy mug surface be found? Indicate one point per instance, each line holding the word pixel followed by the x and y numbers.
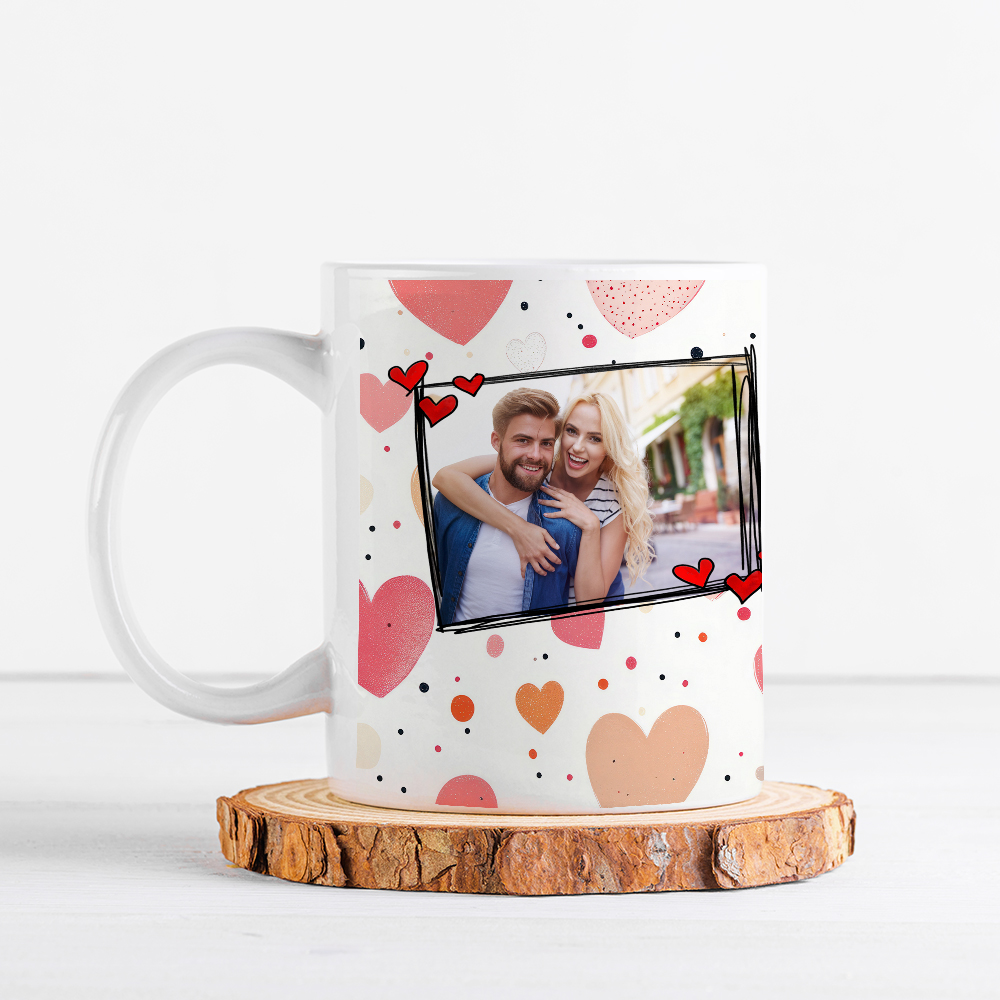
pixel 615 407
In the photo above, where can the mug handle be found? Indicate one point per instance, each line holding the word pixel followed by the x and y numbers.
pixel 304 687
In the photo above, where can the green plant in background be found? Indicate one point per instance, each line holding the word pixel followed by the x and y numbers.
pixel 702 402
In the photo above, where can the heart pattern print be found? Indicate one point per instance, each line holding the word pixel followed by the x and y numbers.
pixel 394 627
pixel 592 710
pixel 636 307
pixel 629 768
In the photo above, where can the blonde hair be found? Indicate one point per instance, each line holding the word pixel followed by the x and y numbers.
pixel 627 472
pixel 537 402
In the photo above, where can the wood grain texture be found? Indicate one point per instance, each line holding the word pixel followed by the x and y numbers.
pixel 300 831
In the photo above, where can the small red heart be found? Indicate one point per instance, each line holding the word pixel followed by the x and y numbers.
pixel 408 379
pixel 469 385
pixel 698 577
pixel 439 410
pixel 744 586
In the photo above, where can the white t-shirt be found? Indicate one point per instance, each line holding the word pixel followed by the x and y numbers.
pixel 493 582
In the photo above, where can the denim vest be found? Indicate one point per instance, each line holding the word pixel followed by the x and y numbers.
pixel 456 533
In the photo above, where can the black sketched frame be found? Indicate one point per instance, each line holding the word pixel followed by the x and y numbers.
pixel 747 444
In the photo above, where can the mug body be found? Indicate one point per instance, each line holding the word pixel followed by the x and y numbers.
pixel 460 685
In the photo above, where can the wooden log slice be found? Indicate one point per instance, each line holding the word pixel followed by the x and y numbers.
pixel 300 831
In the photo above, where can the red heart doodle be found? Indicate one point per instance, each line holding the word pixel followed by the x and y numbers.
pixel 456 309
pixel 394 628
pixel 435 412
pixel 583 629
pixel 382 405
pixel 408 379
pixel 469 385
pixel 744 587
pixel 698 577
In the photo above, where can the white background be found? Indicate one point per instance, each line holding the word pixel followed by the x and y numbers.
pixel 169 168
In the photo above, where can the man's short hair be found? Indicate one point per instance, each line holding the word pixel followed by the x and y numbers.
pixel 537 402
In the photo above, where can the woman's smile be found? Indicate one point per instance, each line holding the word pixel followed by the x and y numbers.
pixel 576 463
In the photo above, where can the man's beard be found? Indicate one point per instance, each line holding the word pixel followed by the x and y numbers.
pixel 520 481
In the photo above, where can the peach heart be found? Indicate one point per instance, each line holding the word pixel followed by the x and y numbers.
pixel 457 310
pixel 367 493
pixel 526 355
pixel 382 404
pixel 539 708
pixel 394 627
pixel 582 629
pixel 636 307
pixel 418 502
pixel 758 667
pixel 627 768
pixel 467 790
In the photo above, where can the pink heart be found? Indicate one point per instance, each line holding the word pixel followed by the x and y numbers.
pixel 394 628
pixel 456 309
pixel 758 667
pixel 582 629
pixel 382 404
pixel 636 307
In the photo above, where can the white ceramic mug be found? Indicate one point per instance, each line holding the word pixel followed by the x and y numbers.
pixel 451 680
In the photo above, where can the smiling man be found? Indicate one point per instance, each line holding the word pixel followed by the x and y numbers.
pixel 480 567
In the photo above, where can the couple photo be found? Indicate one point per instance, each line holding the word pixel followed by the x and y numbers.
pixel 552 510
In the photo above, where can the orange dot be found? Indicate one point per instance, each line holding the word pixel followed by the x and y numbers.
pixel 532 754
pixel 462 707
pixel 702 637
pixel 602 684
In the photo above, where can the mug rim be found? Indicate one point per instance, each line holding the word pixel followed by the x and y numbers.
pixel 551 269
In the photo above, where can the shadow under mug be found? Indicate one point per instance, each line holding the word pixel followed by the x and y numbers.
pixel 450 681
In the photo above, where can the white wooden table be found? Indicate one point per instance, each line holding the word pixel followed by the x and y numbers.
pixel 112 884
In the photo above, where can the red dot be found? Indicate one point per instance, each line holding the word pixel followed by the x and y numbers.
pixel 684 683
pixel 602 684
pixel 438 749
pixel 589 341
pixel 702 637
pixel 741 753
pixel 428 356
pixel 395 524
pixel 630 663
pixel 457 679
pixel 569 777
pixel 386 448
pixel 532 754
pixel 743 614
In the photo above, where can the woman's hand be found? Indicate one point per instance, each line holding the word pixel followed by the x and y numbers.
pixel 571 508
pixel 535 546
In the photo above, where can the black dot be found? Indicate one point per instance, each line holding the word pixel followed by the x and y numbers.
pixel 538 774
pixel 545 656
pixel 362 348
pixel 677 635
pixel 468 730
pixel 403 789
pixel 368 557
pixel 569 315
pixel 388 624
pixel 727 777
pixel 400 731
pixel 579 326
pixel 424 687
pixel 378 777
pixel 371 527
pixel 753 336
pixel 524 305
pixel 612 360
pixel 697 352
pixel 663 677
